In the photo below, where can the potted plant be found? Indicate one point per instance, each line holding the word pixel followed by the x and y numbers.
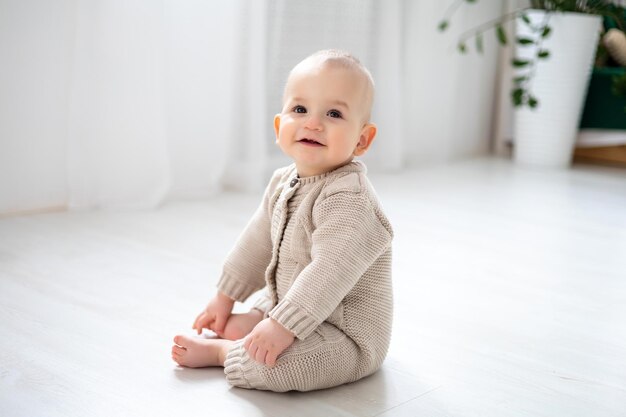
pixel 555 44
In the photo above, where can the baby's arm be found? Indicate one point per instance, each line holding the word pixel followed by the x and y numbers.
pixel 215 314
pixel 244 268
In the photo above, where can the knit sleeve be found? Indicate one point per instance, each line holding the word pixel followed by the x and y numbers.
pixel 244 268
pixel 264 303
pixel 348 237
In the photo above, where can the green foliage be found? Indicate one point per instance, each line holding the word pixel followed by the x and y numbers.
pixel 539 32
pixel 518 63
pixel 518 96
pixel 501 35
pixel 521 93
pixel 479 42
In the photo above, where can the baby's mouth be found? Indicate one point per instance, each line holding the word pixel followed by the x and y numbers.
pixel 310 142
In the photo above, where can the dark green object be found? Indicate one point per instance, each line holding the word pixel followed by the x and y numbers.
pixel 603 109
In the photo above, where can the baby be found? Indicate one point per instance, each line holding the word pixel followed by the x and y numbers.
pixel 319 245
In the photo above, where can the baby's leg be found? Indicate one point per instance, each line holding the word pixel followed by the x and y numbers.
pixel 196 352
pixel 239 325
pixel 326 358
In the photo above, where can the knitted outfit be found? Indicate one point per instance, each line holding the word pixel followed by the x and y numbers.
pixel 321 247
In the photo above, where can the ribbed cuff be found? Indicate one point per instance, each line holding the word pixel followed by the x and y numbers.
pixel 234 288
pixel 241 371
pixel 294 319
pixel 263 304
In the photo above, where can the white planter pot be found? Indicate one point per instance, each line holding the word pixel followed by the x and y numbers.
pixel 545 136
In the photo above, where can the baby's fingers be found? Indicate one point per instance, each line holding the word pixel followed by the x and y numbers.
pixel 219 324
pixel 270 359
pixel 246 342
pixel 252 351
pixel 196 322
pixel 260 355
pixel 202 322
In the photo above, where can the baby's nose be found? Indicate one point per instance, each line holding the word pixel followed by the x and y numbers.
pixel 313 123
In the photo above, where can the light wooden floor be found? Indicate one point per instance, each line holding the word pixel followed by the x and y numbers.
pixel 510 290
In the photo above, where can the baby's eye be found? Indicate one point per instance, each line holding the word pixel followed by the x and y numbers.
pixel 336 114
pixel 299 109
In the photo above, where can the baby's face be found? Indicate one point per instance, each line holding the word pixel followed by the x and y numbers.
pixel 322 125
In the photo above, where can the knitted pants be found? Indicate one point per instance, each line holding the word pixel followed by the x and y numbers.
pixel 325 359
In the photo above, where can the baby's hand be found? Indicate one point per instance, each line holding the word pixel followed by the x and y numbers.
pixel 267 340
pixel 215 314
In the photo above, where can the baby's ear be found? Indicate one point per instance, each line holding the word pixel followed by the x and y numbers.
pixel 366 138
pixel 277 125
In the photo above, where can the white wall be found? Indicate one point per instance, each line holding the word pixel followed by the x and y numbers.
pixel 36 40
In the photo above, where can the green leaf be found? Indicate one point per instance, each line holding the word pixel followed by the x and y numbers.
pixel 479 42
pixel 526 19
pixel 520 79
pixel 525 41
pixel 501 34
pixel 532 102
pixel 517 95
pixel 518 63
pixel 462 48
pixel 546 31
pixel 443 25
pixel 543 54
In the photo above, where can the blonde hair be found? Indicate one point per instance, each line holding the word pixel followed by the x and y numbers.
pixel 344 60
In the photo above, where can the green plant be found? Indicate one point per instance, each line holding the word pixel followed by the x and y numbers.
pixel 521 93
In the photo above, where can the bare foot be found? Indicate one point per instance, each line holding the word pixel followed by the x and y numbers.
pixel 196 352
pixel 239 325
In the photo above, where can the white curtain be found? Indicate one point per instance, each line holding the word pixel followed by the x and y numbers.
pixel 174 99
pixel 150 101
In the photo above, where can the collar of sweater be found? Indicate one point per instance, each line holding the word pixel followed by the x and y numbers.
pixel 353 166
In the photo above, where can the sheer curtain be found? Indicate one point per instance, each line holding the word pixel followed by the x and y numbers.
pixel 177 101
pixel 150 103
pixel 174 99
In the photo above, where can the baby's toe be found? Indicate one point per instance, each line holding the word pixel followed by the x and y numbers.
pixel 178 350
pixel 178 355
pixel 182 340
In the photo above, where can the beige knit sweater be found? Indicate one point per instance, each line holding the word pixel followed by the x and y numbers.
pixel 321 248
